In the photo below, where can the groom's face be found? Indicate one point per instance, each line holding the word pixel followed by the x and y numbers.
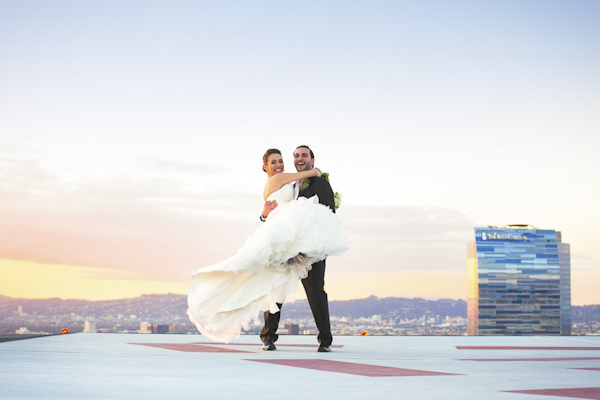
pixel 302 159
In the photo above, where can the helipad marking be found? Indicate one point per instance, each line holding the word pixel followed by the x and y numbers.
pixel 192 348
pixel 524 348
pixel 351 368
pixel 578 393
pixel 335 346
pixel 533 359
pixel 213 347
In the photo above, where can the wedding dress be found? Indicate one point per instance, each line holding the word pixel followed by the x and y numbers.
pixel 225 297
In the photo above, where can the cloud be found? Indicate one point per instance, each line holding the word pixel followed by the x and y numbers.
pixel 167 224
pixel 403 238
pixel 149 223
pixel 159 164
pixel 584 263
pixel 417 225
pixel 23 177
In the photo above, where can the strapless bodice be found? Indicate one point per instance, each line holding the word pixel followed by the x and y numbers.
pixel 284 195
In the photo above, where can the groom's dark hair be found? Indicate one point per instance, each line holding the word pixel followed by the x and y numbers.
pixel 312 155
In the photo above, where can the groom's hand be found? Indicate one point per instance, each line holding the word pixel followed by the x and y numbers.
pixel 269 206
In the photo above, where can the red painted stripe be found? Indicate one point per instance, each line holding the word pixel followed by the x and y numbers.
pixel 352 368
pixel 523 348
pixel 335 346
pixel 533 359
pixel 578 393
pixel 588 369
pixel 191 348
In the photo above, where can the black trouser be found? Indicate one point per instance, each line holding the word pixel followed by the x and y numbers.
pixel 314 285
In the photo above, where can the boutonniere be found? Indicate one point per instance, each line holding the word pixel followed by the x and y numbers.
pixel 305 184
pixel 337 197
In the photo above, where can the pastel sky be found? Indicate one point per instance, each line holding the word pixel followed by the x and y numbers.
pixel 132 132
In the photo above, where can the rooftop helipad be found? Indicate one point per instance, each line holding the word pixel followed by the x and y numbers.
pixel 121 366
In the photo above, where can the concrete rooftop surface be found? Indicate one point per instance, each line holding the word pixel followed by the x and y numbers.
pixel 130 366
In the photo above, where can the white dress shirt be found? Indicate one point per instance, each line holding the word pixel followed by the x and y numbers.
pixel 297 186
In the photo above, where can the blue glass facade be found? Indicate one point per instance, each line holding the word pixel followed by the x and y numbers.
pixel 518 282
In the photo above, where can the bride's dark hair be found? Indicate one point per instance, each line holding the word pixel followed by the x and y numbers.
pixel 266 157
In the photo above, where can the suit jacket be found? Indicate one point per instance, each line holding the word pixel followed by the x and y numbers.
pixel 321 187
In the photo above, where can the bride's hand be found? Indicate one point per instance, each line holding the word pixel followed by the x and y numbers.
pixel 319 173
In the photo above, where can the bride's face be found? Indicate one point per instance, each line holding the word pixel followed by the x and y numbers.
pixel 274 164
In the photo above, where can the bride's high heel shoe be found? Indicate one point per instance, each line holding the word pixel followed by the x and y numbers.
pixel 296 259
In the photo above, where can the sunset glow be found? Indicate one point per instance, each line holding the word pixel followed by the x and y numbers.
pixel 131 137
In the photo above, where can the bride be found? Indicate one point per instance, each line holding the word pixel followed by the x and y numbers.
pixel 223 298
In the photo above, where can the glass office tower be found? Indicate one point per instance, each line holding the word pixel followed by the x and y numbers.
pixel 519 282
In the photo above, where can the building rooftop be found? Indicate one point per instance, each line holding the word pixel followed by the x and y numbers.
pixel 150 366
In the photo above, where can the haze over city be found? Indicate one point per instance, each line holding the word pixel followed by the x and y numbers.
pixel 131 136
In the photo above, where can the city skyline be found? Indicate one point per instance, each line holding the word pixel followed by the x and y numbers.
pixel 132 136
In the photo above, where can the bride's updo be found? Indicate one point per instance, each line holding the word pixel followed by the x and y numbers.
pixel 266 157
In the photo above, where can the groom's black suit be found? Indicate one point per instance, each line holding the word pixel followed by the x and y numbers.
pixel 314 283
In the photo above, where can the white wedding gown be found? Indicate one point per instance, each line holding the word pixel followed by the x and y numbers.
pixel 225 297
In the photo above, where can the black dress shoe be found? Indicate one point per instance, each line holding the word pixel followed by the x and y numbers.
pixel 324 349
pixel 269 345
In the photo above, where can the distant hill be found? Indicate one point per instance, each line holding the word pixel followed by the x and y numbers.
pixel 156 305
pixel 586 314
pixel 173 304
pixel 389 307
pixel 152 304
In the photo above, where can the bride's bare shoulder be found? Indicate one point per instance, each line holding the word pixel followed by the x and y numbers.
pixel 271 186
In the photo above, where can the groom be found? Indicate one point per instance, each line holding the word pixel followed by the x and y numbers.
pixel 314 283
